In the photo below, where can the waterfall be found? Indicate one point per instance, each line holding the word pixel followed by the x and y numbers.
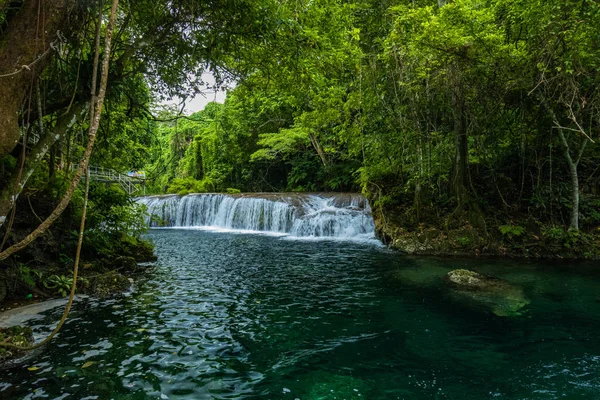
pixel 343 216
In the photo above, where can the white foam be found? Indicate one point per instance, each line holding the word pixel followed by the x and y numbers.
pixel 294 216
pixel 366 239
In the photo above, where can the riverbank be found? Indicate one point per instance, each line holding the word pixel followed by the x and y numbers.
pixel 424 231
pixel 514 241
pixel 111 252
pixel 96 281
pixel 15 326
pixel 17 314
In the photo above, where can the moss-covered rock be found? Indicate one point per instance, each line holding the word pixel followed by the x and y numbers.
pixel 17 335
pixel 465 278
pixel 108 284
pixel 128 264
pixel 481 291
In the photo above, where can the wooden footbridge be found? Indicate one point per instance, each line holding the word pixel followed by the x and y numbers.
pixel 131 182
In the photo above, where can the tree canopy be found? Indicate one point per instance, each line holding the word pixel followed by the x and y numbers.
pixel 446 114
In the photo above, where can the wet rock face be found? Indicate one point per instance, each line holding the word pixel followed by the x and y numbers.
pixel 484 292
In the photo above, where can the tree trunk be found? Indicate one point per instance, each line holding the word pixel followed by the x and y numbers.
pixel 574 224
pixel 318 148
pixel 417 200
pixel 10 193
pixel 573 163
pixel 95 111
pixel 21 44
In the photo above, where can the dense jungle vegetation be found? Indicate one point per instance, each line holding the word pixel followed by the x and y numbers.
pixel 472 126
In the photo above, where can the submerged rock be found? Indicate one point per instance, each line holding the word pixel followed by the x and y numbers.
pixel 17 335
pixel 469 279
pixel 498 296
pixel 421 275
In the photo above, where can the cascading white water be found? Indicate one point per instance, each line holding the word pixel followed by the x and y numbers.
pixel 343 216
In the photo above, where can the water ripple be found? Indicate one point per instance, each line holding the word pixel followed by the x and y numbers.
pixel 252 317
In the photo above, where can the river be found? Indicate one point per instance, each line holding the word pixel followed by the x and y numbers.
pixel 232 314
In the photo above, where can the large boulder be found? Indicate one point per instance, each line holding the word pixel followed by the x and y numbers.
pixel 496 295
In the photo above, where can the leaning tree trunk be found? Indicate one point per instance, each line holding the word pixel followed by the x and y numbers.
pixel 25 47
pixel 317 146
pixel 10 193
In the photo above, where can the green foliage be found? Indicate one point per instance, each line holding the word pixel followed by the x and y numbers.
pixel 7 163
pixel 571 240
pixel 17 335
pixel 464 241
pixel 183 186
pixel 65 259
pixel 281 144
pixel 16 331
pixel 511 231
pixel 590 210
pixel 383 201
pixel 303 176
pixel 287 123
pixel 59 283
pixel 448 113
pixel 554 233
pixel 27 275
pixel 111 210
pixel 440 111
